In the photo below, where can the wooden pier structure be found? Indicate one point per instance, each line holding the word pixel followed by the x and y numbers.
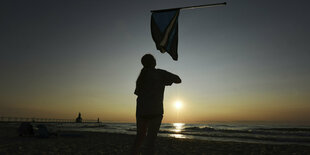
pixel 40 120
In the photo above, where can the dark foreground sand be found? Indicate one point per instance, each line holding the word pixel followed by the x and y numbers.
pixel 106 143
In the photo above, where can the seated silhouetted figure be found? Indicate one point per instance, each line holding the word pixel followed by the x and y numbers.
pixel 42 131
pixel 78 119
pixel 25 129
pixel 150 87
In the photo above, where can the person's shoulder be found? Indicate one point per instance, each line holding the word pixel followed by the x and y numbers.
pixel 162 71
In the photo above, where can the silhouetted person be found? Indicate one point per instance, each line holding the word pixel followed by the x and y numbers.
pixel 25 129
pixel 150 87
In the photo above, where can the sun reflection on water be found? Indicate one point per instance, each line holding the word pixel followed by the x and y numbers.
pixel 177 136
pixel 178 127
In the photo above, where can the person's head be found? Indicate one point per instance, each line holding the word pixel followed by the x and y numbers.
pixel 148 61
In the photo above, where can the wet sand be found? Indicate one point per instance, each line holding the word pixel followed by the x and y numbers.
pixel 106 143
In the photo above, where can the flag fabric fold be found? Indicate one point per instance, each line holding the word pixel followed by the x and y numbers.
pixel 164 29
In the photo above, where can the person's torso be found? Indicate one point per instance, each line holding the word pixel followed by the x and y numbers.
pixel 151 92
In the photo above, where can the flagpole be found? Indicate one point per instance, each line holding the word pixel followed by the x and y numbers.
pixel 191 7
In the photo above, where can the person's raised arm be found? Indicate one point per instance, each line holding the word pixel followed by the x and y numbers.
pixel 171 78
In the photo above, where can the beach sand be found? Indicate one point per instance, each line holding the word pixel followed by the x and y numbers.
pixel 107 143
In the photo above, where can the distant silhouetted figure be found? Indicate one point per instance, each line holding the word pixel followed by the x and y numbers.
pixel 25 129
pixel 150 87
pixel 42 131
pixel 78 119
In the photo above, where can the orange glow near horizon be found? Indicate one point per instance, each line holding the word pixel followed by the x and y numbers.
pixel 250 108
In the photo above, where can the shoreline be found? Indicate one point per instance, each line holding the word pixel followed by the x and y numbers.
pixel 86 142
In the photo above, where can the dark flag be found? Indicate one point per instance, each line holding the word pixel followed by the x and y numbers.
pixel 164 27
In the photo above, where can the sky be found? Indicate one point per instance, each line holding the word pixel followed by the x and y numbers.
pixel 247 61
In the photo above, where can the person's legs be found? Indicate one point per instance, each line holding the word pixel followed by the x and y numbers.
pixel 141 133
pixel 152 130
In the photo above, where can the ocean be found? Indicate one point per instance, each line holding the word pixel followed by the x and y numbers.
pixel 237 132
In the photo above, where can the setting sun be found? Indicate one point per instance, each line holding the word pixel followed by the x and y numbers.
pixel 178 104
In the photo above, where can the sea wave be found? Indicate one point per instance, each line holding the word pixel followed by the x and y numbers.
pixel 245 133
pixel 262 131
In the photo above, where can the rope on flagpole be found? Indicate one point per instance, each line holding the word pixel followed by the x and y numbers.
pixel 191 7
